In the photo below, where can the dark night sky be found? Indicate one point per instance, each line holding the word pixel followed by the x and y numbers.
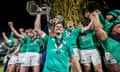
pixel 15 10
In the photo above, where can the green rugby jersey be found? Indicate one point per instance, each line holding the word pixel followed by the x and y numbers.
pixel 110 44
pixel 73 34
pixel 57 58
pixel 86 41
pixel 30 44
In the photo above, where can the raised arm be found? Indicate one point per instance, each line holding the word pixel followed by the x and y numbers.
pixel 98 27
pixel 6 47
pixel 97 23
pixel 14 30
pixel 41 33
pixel 89 26
pixel 37 24
pixel 17 50
pixel 5 37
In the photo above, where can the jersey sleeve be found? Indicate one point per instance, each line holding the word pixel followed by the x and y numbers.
pixel 40 42
pixel 21 41
pixel 45 38
pixel 11 37
pixel 78 31
pixel 116 20
pixel 107 27
pixel 10 43
pixel 102 19
pixel 11 40
pixel 27 39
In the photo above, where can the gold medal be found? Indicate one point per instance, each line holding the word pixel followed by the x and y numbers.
pixel 58 51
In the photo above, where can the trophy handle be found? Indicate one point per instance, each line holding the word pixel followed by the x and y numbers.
pixel 32 8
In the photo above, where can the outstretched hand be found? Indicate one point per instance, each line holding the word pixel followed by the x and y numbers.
pixel 3 33
pixel 21 30
pixel 10 23
pixel 2 43
pixel 94 15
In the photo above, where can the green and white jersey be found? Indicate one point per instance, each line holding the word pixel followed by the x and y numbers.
pixel 23 46
pixel 11 37
pixel 115 49
pixel 86 41
pixel 57 58
pixel 8 51
pixel 73 34
pixel 11 51
pixel 106 24
pixel 106 45
pixel 110 44
pixel 31 44
pixel 9 44
pixel 35 45
pixel 107 27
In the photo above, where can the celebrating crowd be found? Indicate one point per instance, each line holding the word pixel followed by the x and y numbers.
pixel 70 49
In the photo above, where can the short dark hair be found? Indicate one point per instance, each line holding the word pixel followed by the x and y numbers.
pixel 59 23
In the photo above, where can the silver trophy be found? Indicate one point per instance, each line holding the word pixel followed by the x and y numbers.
pixel 33 8
pixel 58 18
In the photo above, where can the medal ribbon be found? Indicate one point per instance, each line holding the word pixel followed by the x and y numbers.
pixel 58 43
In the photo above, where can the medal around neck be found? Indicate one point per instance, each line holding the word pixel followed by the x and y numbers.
pixel 58 43
pixel 58 51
